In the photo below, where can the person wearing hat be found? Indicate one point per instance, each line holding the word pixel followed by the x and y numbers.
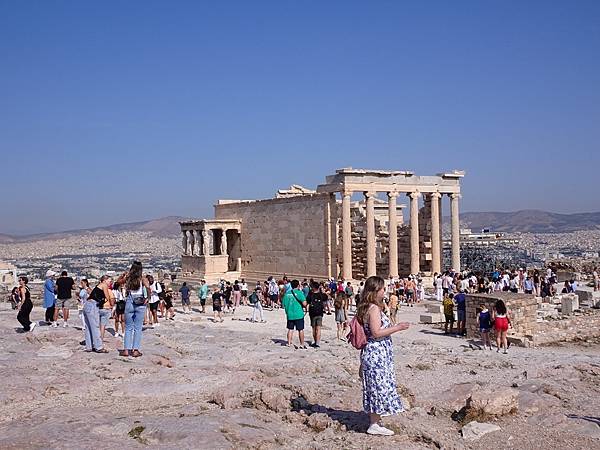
pixel 170 312
pixel 49 296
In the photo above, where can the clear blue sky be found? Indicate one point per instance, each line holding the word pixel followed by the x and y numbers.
pixel 123 111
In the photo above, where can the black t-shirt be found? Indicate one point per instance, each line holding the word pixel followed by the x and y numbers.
pixel 216 298
pixel 64 286
pixel 236 287
pixel 316 303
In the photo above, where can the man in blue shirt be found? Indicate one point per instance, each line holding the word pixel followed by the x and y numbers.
pixel 49 297
pixel 528 285
pixel 461 312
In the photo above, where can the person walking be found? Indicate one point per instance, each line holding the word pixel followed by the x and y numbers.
pixel 203 295
pixel 255 301
pixel 380 395
pixel 64 293
pixel 341 318
pixel 184 290
pixel 26 306
pixel 484 323
pixel 317 302
pixel 237 295
pixel 49 297
pixel 135 309
pixel 217 304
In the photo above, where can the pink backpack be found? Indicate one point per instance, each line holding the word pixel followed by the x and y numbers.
pixel 357 336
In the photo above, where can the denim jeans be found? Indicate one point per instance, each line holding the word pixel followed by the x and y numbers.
pixel 134 321
pixel 93 341
pixel 257 309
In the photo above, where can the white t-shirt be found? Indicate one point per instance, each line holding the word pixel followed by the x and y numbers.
pixel 243 286
pixel 156 289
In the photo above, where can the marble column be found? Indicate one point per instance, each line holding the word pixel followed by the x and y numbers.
pixel 346 236
pixel 414 233
pixel 455 225
pixel 224 242
pixel 371 243
pixel 435 233
pixel 184 242
pixel 441 211
pixel 205 243
pixel 192 242
pixel 393 234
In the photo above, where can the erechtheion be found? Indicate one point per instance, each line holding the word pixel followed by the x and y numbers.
pixel 323 233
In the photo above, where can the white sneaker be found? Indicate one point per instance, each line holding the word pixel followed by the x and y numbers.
pixel 55 324
pixel 157 324
pixel 379 430
pixel 65 324
pixel 32 326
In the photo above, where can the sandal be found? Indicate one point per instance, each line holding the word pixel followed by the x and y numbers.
pixel 124 353
pixel 102 350
pixel 136 354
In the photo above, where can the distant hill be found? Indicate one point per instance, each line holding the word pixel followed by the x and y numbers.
pixel 164 227
pixel 531 220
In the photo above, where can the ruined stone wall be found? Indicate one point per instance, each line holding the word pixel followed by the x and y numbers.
pixel 521 307
pixel 296 236
pixel 359 245
pixel 567 329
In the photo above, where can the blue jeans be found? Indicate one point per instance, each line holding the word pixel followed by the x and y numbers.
pixel 93 341
pixel 134 321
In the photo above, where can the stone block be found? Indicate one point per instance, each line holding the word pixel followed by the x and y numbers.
pixel 569 304
pixel 431 318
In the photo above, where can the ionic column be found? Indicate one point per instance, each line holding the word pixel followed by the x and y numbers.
pixel 435 233
pixel 205 243
pixel 393 233
pixel 346 236
pixel 184 242
pixel 371 244
pixel 224 242
pixel 441 211
pixel 414 233
pixel 455 223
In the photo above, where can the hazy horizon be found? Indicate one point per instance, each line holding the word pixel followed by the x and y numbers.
pixel 113 113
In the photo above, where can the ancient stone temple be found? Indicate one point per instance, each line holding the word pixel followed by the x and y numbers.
pixel 323 233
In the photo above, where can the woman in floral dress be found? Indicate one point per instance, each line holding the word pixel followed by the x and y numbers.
pixel 380 397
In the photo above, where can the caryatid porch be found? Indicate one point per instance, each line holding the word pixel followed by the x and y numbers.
pixel 211 248
pixel 396 183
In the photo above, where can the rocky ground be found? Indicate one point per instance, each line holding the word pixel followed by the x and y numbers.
pixel 233 385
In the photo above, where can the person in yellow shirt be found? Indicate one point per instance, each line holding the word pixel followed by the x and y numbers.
pixel 448 303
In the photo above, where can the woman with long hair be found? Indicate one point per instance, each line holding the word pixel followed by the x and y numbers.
pixel 135 310
pixel 501 320
pixel 119 309
pixel 380 396
pixel 26 305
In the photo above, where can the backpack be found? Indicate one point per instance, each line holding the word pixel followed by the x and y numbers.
pixel 357 336
pixel 253 299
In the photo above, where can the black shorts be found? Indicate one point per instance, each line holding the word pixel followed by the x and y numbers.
pixel 298 324
pixel 203 301
pixel 274 297
pixel 244 293
pixel 154 306
pixel 449 318
pixel 120 309
pixel 217 308
pixel 168 303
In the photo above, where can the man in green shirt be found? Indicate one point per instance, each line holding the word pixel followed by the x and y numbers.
pixel 294 303
pixel 203 294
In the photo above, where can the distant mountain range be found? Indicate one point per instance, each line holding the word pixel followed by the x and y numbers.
pixel 531 221
pixel 526 221
pixel 165 227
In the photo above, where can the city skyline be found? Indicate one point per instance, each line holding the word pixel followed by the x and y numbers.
pixel 115 115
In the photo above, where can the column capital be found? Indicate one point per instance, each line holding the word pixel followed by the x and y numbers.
pixel 435 195
pixel 393 194
pixel 455 196
pixel 370 194
pixel 414 195
pixel 346 193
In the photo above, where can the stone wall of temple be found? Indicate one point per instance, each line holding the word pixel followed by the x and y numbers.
pixel 295 235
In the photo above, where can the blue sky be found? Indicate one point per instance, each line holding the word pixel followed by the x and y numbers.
pixel 122 111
